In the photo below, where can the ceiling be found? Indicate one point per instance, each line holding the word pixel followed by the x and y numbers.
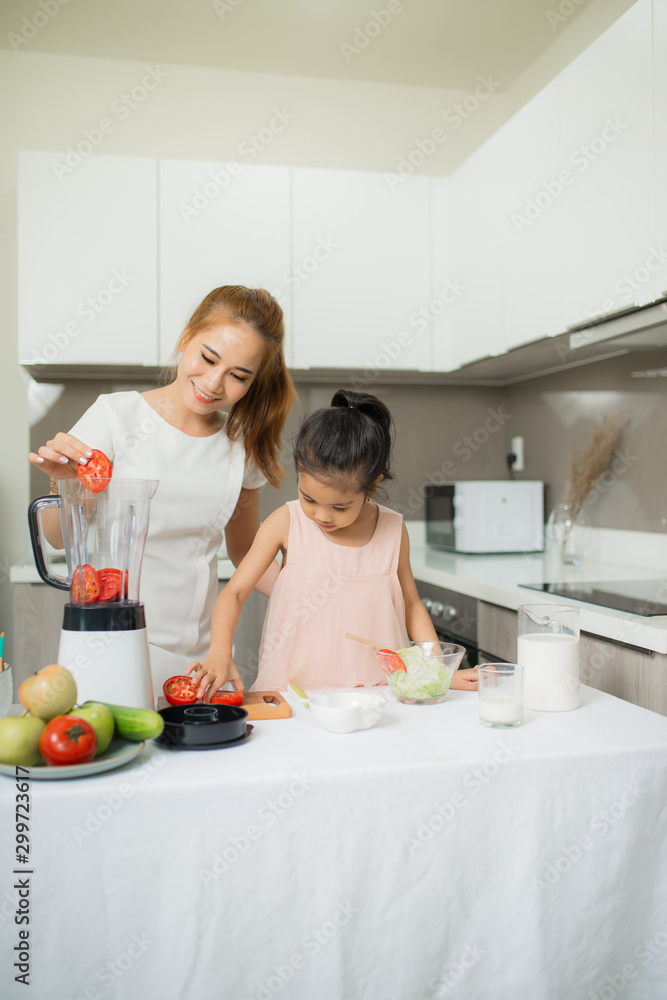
pixel 428 43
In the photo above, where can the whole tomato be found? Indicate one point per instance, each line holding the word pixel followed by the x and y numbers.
pixel 68 740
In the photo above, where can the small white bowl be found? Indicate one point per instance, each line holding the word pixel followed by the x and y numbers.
pixel 347 711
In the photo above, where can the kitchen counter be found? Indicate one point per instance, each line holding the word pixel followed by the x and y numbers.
pixel 305 864
pixel 496 579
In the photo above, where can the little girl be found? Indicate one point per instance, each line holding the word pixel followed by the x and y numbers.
pixel 345 565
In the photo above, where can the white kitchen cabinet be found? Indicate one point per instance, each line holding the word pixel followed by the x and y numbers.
pixel 660 141
pixel 360 271
pixel 475 220
pixel 220 224
pixel 87 284
pixel 444 281
pixel 532 194
pixel 606 145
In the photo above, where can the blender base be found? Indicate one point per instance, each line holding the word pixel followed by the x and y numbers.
pixel 110 666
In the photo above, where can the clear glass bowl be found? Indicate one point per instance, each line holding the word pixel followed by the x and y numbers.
pixel 430 668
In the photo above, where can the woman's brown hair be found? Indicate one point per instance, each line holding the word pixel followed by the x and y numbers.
pixel 258 417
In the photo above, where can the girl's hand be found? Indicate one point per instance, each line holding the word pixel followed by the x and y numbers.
pixel 212 674
pixel 61 456
pixel 465 680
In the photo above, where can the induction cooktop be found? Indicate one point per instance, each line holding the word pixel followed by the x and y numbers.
pixel 639 597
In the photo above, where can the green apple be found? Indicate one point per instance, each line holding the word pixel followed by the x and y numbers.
pixel 100 718
pixel 19 739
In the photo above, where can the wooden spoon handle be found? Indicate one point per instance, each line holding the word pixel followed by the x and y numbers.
pixel 357 638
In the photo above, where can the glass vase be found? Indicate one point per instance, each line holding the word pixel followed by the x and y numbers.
pixel 567 534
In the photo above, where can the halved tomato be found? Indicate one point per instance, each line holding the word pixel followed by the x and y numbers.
pixel 391 661
pixel 85 585
pixel 110 581
pixel 227 698
pixel 96 473
pixel 180 690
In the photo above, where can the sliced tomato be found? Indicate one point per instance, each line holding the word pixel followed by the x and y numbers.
pixel 180 690
pixel 96 473
pixel 110 581
pixel 85 585
pixel 390 661
pixel 68 740
pixel 227 698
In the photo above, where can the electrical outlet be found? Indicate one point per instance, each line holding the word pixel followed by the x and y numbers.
pixel 517 451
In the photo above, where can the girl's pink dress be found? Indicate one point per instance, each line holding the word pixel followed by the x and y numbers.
pixel 324 591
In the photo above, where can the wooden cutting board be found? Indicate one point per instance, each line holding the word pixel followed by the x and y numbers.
pixel 258 705
pixel 266 705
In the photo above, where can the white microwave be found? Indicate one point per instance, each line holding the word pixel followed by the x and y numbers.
pixel 486 515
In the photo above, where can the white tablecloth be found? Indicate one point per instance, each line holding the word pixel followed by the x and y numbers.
pixel 425 858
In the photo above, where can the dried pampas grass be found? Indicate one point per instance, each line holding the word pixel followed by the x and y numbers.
pixel 587 465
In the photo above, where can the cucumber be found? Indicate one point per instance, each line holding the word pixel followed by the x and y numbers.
pixel 136 723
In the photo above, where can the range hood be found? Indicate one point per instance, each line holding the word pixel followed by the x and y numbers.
pixel 634 328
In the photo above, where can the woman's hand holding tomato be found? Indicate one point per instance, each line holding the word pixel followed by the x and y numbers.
pixel 212 674
pixel 61 456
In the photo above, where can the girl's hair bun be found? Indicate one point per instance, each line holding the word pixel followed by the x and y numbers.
pixel 352 437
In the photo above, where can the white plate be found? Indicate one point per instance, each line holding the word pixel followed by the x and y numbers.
pixel 118 752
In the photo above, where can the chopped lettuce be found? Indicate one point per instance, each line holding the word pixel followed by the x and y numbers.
pixel 425 678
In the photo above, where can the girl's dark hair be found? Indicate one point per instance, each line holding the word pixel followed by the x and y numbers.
pixel 352 437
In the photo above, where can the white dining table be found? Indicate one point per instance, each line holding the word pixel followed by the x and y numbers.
pixel 426 857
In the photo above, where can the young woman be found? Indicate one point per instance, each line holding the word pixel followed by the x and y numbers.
pixel 345 565
pixel 211 436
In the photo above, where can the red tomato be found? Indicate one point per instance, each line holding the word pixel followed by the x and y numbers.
pixel 391 661
pixel 85 581
pixel 180 690
pixel 68 740
pixel 96 473
pixel 227 698
pixel 110 581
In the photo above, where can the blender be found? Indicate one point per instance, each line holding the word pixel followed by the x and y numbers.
pixel 103 641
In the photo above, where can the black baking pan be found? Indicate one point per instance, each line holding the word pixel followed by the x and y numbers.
pixel 201 727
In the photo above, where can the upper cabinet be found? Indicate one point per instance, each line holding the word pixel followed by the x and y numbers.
pixel 360 271
pixel 220 224
pixel 607 149
pixel 659 262
pixel 533 186
pixel 87 260
pixel 476 313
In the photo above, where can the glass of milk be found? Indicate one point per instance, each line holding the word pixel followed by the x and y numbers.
pixel 548 651
pixel 500 687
